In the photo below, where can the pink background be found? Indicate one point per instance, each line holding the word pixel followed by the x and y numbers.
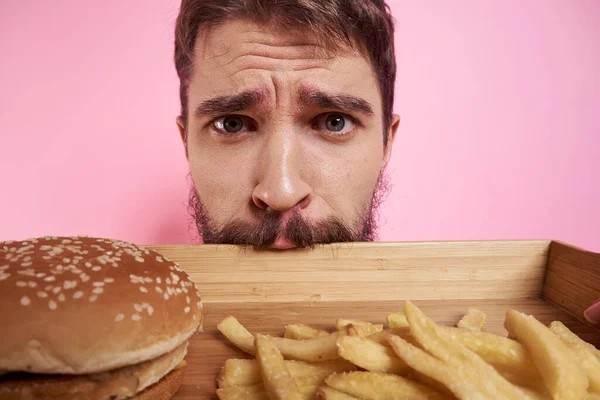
pixel 500 135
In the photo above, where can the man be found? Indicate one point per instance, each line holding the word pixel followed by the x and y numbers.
pixel 286 117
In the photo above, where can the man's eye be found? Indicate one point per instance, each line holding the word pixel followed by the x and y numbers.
pixel 335 123
pixel 232 124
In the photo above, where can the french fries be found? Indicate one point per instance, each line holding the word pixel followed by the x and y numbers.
pixel 440 344
pixel 237 372
pixel 563 377
pixel 414 358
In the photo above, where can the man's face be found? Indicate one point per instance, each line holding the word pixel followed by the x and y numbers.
pixel 284 139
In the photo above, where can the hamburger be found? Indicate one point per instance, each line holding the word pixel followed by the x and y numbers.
pixel 92 318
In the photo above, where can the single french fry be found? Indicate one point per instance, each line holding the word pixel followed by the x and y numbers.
pixel 367 327
pixel 473 321
pixel 329 393
pixel 279 383
pixel 397 320
pixel 557 365
pixel 237 334
pixel 370 355
pixel 309 350
pixel 442 346
pixel 380 386
pixel 419 360
pixel 503 353
pixel 301 332
pixel 582 352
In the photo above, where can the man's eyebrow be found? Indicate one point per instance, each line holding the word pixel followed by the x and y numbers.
pixel 339 101
pixel 230 104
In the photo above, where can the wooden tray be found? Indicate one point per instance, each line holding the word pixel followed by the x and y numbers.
pixel 267 290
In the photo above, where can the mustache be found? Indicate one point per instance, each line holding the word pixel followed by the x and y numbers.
pixel 298 230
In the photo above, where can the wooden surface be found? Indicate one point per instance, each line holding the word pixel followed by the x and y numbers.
pixel 209 350
pixel 572 278
pixel 366 271
pixel 267 290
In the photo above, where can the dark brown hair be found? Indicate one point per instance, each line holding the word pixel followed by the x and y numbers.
pixel 363 24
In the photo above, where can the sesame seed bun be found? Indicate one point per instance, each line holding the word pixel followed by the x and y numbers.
pixel 79 305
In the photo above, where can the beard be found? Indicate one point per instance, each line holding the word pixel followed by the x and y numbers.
pixel 298 230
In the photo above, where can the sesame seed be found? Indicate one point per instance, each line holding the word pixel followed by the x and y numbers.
pixel 4 275
pixel 187 309
pixel 45 247
pixel 84 278
pixel 93 298
pixel 56 290
pixel 40 275
pixel 98 290
pixel 148 280
pixel 66 260
pixel 199 305
pixel 109 280
pixel 158 280
pixel 136 317
pixel 69 284
pixel 178 290
pixel 158 289
pixel 42 294
pixel 32 284
pixel 143 289
pixel 49 278
pixel 61 297
pixel 119 317
pixel 139 259
pixel 187 299
pixel 25 301
pixel 77 294
pixel 138 307
pixel 52 305
pixel 98 284
pixel 150 310
pixel 88 264
pixel 166 296
pixel 96 268
pixel 27 264
pixel 48 288
pixel 21 284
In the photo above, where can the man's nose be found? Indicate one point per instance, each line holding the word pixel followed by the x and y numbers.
pixel 280 185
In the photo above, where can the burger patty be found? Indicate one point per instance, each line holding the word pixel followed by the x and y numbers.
pixel 119 384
